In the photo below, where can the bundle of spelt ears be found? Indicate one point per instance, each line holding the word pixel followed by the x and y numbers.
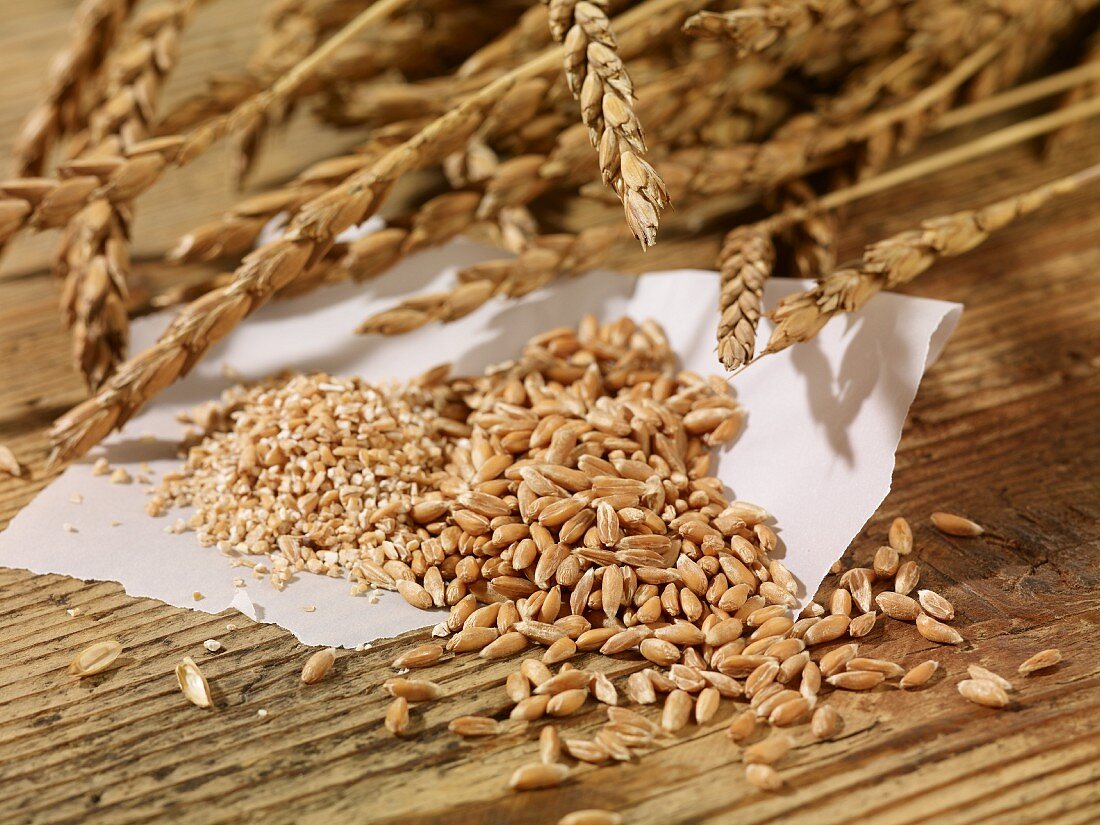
pixel 561 131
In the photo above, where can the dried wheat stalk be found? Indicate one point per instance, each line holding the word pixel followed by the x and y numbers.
pixel 44 203
pixel 93 259
pixel 483 281
pixel 598 79
pixel 530 34
pixel 96 26
pixel 276 264
pixel 1056 140
pixel 515 182
pixel 902 257
pixel 805 142
pixel 297 27
pixel 745 264
pixel 293 29
pixel 811 242
pixel 546 259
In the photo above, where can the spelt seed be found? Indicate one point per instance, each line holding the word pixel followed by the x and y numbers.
pixel 591 816
pixel 397 716
pixel 640 689
pixel 984 692
pixel 856 679
pixel 586 750
pixel 517 687
pixel 549 745
pixel 603 689
pixel 561 650
pixel 742 727
pixel 659 651
pixel 614 744
pixel 536 775
pixel 938 632
pixel 811 680
pixel 837 659
pixel 415 594
pixel 567 702
pixel 859 585
pixel 768 700
pixel 907 577
pixel 677 711
pixel 1041 660
pixel 901 536
pixel 764 777
pixel 826 630
pixel 956 525
pixel 472 638
pixel 9 464
pixel 936 605
pixel 919 675
pixel 886 562
pixel 530 709
pixel 625 716
pixel 318 665
pixel 471 726
pixel 825 723
pixel 792 712
pixel 891 670
pixel 504 646
pixel 767 751
pixel 414 690
pixel 420 656
pixel 193 683
pixel 95 658
pixel 897 606
pixel 706 705
pixel 840 603
pixel 535 671
pixel 563 681
pixel 793 666
pixel 760 678
pixel 862 625
pixel 979 672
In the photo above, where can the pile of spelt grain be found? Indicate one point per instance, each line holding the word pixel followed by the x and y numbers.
pixel 562 502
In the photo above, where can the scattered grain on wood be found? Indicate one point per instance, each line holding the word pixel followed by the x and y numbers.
pixel 955 525
pixel 1040 661
pixel 95 658
pixel 318 665
pixel 984 692
pixel 193 683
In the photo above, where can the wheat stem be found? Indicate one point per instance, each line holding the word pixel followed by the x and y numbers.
pixel 992 142
pixel 902 257
pixel 38 204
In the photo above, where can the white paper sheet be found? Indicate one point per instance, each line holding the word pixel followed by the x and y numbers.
pixel 824 420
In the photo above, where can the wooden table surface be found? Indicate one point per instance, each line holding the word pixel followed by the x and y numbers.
pixel 1004 429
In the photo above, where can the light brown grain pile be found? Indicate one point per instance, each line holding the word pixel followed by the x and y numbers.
pixel 334 476
pixel 560 504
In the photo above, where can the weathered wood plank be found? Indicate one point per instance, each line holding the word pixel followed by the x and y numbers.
pixel 1003 430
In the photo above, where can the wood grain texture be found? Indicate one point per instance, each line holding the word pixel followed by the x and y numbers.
pixel 1003 430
